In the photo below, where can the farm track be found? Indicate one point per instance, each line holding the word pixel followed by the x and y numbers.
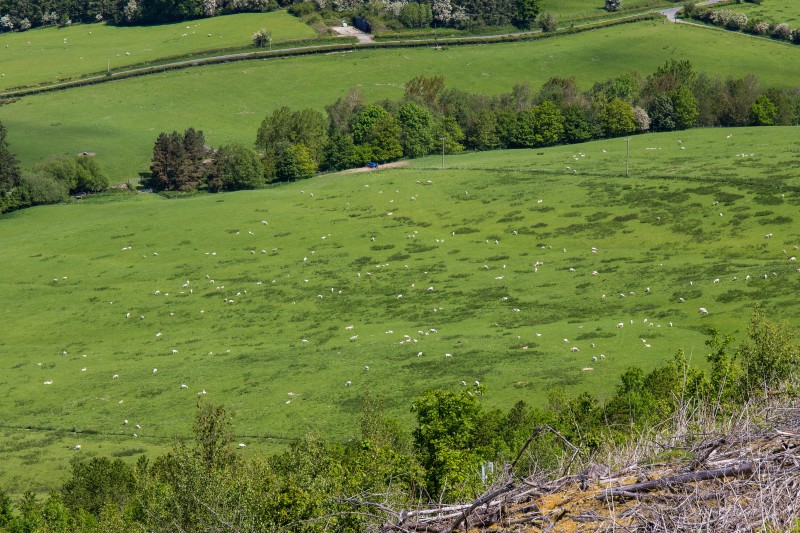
pixel 363 44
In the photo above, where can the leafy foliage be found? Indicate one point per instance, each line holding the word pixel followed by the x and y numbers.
pixel 236 167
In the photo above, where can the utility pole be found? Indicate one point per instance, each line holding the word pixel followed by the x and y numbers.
pixel 442 139
pixel 627 153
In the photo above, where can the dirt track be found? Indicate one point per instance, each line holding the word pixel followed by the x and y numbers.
pixel 379 167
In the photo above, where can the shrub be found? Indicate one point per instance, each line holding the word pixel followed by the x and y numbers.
pixel 613 5
pixel 261 38
pixel 782 31
pixel 796 36
pixel 689 9
pixel 302 9
pixel 41 188
pixel 548 22
pixel 642 119
pixel 736 21
pixel 760 28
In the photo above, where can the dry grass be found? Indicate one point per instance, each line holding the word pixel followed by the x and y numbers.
pixel 696 472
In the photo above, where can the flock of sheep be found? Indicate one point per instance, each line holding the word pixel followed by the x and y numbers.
pixel 303 271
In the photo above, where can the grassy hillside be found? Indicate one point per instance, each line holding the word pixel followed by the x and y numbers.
pixel 50 54
pixel 271 300
pixel 120 120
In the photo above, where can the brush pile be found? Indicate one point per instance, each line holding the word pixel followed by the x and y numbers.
pixel 739 482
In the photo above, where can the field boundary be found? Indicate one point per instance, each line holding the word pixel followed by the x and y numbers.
pixel 7 96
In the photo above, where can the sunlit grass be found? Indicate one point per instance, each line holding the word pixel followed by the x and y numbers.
pixel 403 261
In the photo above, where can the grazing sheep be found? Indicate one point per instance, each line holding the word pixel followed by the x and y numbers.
pixel 366 368
pixel 155 371
pixel 447 355
pixel 348 383
pixel 620 325
pixel 594 359
pixel 703 311
pixel 76 447
pixel 574 349
pixel 202 393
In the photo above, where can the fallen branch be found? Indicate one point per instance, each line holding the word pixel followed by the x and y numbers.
pixel 702 475
pixel 480 501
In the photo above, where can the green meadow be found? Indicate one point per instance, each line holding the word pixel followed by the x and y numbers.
pixel 775 11
pixel 519 264
pixel 120 120
pixel 578 10
pixel 51 54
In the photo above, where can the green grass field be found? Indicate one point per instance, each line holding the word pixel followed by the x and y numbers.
pixel 586 9
pixel 120 120
pixel 50 54
pixel 271 300
pixel 775 11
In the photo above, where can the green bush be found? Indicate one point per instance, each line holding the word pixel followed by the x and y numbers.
pixel 548 22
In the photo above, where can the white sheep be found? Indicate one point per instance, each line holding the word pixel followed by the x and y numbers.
pixel 574 349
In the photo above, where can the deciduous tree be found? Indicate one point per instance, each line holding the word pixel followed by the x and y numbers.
pixel 416 125
pixel 616 118
pixel 236 167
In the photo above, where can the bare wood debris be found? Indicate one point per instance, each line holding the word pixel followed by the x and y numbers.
pixel 730 483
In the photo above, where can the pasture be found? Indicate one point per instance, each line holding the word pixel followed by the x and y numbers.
pixel 51 54
pixel 270 301
pixel 121 120
pixel 568 10
pixel 774 11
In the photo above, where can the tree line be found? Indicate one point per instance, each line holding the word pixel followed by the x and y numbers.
pixel 429 118
pixel 205 484
pixel 20 15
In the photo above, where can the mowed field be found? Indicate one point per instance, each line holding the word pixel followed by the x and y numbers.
pixel 121 120
pixel 51 54
pixel 271 300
